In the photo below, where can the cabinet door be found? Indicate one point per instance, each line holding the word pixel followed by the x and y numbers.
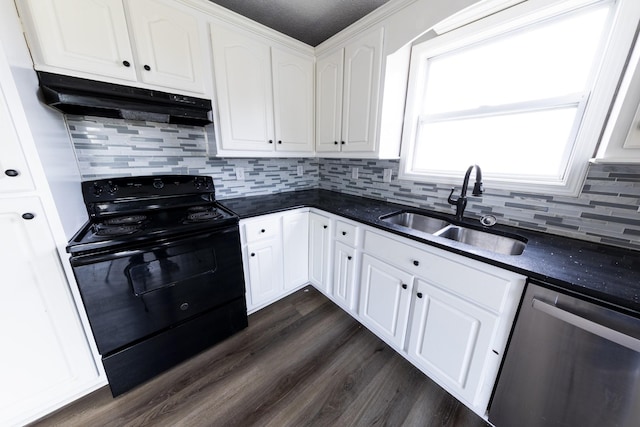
pixel 295 235
pixel 88 36
pixel 385 296
pixel 293 101
pixel 450 338
pixel 45 356
pixel 329 72
pixel 168 45
pixel 344 274
pixel 265 272
pixel 242 68
pixel 362 66
pixel 14 172
pixel 319 241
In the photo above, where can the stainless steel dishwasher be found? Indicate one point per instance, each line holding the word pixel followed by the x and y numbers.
pixel 569 363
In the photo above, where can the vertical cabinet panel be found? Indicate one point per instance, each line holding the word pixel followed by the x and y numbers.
pixel 362 66
pixel 242 68
pixel 344 262
pixel 295 245
pixel 89 36
pixel 265 271
pixel 385 298
pixel 319 244
pixel 451 338
pixel 46 353
pixel 167 42
pixel 293 100
pixel 329 72
pixel 14 171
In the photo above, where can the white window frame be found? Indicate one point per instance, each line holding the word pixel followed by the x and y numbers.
pixel 617 46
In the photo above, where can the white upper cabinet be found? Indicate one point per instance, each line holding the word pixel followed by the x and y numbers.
pixel 265 95
pixel 14 171
pixel 293 100
pixel 147 43
pixel 348 89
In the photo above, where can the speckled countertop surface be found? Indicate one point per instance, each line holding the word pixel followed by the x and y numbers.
pixel 606 273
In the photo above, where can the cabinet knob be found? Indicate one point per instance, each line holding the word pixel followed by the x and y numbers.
pixel 126 63
pixel 253 254
pixel 28 215
pixel 419 294
pixel 11 172
pixel 146 67
pixel 279 142
pixel 271 141
pixel 344 233
pixel 324 226
pixel 335 142
pixel 342 142
pixel 263 230
pixel 416 262
pixel 404 286
pixel 349 257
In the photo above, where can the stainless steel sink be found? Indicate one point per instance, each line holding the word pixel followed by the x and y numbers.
pixel 416 221
pixel 480 239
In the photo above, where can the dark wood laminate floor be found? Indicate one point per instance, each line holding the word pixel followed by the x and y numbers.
pixel 301 362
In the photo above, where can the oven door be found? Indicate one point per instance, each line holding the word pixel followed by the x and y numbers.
pixel 133 294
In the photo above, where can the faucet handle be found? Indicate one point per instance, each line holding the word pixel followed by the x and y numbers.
pixel 451 199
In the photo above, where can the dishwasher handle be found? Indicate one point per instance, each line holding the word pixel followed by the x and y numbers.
pixel 588 325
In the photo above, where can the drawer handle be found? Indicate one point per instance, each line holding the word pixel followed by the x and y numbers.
pixel 324 226
pixel 404 286
pixel 263 230
pixel 349 257
pixel 253 254
pixel 279 142
pixel 271 141
pixel 342 142
pixel 28 216
pixel 419 294
pixel 416 262
pixel 126 63
pixel 344 233
pixel 11 173
pixel 335 142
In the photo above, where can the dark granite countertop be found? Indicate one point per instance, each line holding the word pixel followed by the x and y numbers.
pixel 605 273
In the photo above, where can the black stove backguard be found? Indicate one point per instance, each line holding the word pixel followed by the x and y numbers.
pixel 167 291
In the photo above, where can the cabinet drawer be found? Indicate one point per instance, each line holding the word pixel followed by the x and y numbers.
pixel 404 256
pixel 346 233
pixel 263 228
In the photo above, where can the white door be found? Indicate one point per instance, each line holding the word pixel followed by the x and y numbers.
pixel 45 356
pixel 329 73
pixel 89 36
pixel 319 241
pixel 265 272
pixel 168 45
pixel 14 172
pixel 362 66
pixel 242 67
pixel 295 235
pixel 344 263
pixel 293 100
pixel 385 296
pixel 450 338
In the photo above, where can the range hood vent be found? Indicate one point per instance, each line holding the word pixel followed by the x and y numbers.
pixel 72 95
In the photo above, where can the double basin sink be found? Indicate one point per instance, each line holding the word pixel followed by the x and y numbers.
pixel 435 226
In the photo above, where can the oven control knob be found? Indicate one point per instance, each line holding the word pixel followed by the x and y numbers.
pixel 158 184
pixel 184 306
pixel 97 189
pixel 112 188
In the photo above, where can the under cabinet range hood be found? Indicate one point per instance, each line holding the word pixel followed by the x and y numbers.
pixel 73 95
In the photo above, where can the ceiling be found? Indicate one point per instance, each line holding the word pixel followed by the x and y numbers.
pixel 310 21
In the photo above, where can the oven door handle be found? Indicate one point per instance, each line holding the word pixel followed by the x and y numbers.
pixel 156 245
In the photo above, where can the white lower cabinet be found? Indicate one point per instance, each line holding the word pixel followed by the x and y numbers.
pixel 319 251
pixel 344 276
pixel 385 296
pixel 275 251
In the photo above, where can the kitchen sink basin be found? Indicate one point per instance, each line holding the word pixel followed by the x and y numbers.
pixel 480 239
pixel 416 221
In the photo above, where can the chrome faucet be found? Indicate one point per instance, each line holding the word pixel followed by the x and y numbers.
pixel 460 202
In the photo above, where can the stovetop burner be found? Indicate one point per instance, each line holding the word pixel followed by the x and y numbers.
pixel 115 229
pixel 125 220
pixel 201 214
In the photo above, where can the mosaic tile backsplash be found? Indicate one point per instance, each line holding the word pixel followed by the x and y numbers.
pixel 606 210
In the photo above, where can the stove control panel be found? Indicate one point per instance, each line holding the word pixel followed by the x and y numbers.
pixel 145 187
